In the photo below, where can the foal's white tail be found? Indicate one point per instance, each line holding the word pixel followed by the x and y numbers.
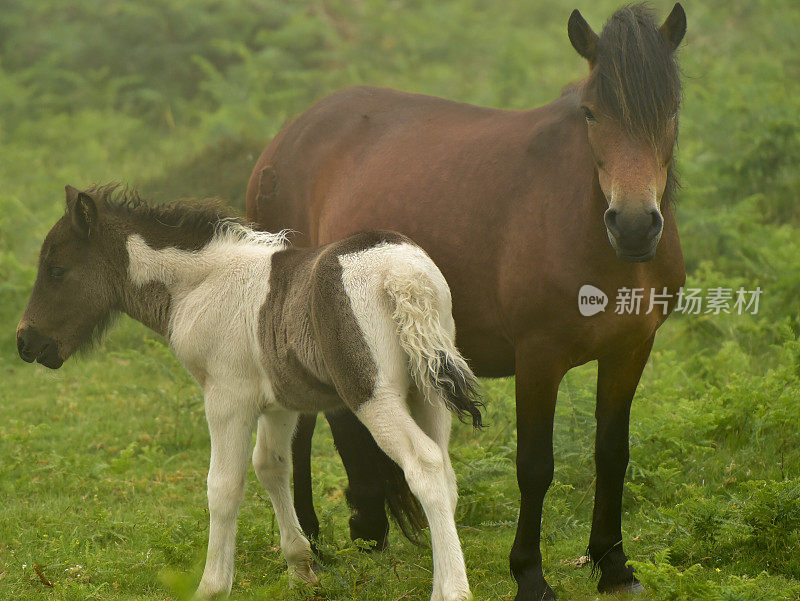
pixel 438 368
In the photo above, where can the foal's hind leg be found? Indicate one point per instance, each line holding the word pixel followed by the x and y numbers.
pixel 272 462
pixel 423 463
pixel 436 420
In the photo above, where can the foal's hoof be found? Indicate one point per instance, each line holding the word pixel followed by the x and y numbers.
pixel 204 593
pixel 304 573
pixel 451 596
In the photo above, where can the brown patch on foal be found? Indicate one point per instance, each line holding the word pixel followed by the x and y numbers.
pixel 297 371
pixel 314 347
pixel 347 356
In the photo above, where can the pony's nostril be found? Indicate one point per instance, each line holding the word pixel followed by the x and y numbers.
pixel 657 222
pixel 610 219
pixel 25 346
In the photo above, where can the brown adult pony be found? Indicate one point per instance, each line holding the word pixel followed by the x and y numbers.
pixel 517 208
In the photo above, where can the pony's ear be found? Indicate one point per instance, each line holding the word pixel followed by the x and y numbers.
pixel 583 38
pixel 82 212
pixel 674 27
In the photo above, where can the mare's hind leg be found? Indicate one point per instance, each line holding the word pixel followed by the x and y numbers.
pixel 436 420
pixel 617 378
pixel 423 463
pixel 301 464
pixel 365 494
pixel 271 460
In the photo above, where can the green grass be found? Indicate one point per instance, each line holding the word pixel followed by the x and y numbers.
pixel 103 478
pixel 103 463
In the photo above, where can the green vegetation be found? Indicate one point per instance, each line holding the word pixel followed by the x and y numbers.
pixel 102 464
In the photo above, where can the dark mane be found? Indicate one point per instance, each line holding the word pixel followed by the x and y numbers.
pixel 189 224
pixel 637 79
pixel 190 214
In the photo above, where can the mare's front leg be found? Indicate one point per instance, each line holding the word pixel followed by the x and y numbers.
pixel 231 417
pixel 537 381
pixel 617 378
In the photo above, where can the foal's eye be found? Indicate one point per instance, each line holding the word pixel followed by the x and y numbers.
pixel 56 272
pixel 587 114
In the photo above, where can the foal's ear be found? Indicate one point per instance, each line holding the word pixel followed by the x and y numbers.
pixel 674 27
pixel 82 212
pixel 583 38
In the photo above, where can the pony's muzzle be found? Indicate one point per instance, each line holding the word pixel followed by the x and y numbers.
pixel 634 233
pixel 32 346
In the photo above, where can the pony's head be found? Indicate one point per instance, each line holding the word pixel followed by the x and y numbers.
pixel 83 277
pixel 78 285
pixel 630 103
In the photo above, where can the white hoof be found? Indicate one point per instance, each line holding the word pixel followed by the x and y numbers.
pixel 451 596
pixel 467 596
pixel 303 572
pixel 207 591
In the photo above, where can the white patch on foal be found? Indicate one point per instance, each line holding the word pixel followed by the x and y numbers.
pixel 216 295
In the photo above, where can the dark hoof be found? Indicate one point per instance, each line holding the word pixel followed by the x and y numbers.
pixel 543 593
pixel 371 546
pixel 375 533
pixel 631 588
pixel 616 576
pixel 318 555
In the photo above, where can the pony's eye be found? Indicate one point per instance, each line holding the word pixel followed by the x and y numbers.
pixel 56 272
pixel 587 114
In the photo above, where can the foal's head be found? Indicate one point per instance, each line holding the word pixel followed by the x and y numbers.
pixel 630 103
pixel 78 286
pixel 83 266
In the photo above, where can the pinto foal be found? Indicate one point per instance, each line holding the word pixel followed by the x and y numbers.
pixel 269 332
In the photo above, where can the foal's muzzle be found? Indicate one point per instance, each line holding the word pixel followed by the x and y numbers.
pixel 32 346
pixel 634 233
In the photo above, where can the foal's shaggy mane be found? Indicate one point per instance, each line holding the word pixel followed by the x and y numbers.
pixel 206 219
pixel 637 79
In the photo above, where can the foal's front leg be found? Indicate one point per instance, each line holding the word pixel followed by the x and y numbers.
pixel 231 418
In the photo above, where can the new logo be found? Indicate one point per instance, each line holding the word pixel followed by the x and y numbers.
pixel 591 300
